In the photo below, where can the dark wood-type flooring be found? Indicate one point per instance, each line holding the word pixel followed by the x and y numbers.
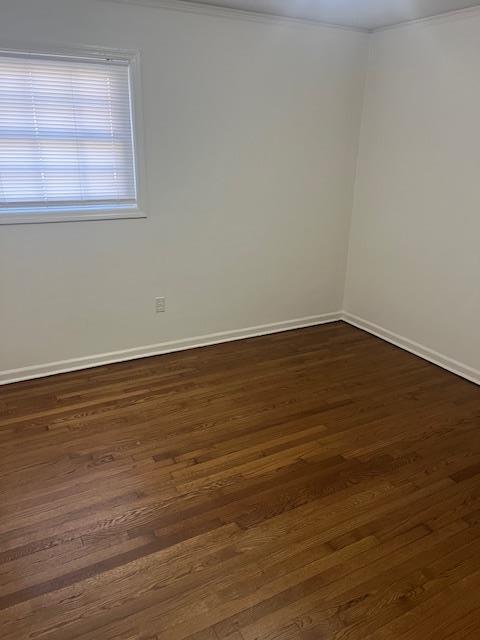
pixel 311 485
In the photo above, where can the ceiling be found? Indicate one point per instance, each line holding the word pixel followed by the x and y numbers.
pixel 364 14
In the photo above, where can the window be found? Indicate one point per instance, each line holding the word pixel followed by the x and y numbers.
pixel 66 138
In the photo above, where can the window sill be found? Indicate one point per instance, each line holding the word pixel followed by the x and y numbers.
pixel 33 217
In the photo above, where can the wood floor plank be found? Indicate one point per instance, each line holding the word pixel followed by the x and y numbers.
pixel 309 485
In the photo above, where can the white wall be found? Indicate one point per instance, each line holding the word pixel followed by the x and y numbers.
pixel 251 139
pixel 414 260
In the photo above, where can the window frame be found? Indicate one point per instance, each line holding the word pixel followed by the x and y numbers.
pixel 62 213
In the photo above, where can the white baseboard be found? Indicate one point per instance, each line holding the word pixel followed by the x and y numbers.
pixel 459 368
pixel 86 362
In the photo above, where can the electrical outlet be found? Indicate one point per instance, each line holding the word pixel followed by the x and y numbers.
pixel 159 305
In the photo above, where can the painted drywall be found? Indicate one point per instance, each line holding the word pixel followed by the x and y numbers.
pixel 414 258
pixel 251 133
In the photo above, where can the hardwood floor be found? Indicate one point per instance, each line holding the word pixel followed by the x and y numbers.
pixel 312 485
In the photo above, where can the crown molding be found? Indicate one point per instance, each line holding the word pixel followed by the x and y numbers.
pixel 447 16
pixel 185 6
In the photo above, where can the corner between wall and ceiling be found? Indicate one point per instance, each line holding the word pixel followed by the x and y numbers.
pixel 189 6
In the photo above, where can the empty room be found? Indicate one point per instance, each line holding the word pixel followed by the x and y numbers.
pixel 239 320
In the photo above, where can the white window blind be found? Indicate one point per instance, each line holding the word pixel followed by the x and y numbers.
pixel 66 139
